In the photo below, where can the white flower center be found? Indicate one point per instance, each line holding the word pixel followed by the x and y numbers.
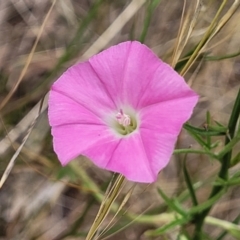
pixel 123 119
pixel 125 123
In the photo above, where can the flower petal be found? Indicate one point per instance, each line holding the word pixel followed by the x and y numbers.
pixel 122 155
pixel 101 152
pixel 81 84
pixel 168 116
pixel 131 160
pixel 72 140
pixel 166 84
pixel 126 69
pixel 64 111
pixel 159 148
pixel 161 123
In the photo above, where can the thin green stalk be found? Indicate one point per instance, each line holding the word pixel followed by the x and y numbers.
pixel 211 131
pixel 228 147
pixel 189 184
pixel 219 58
pixel 150 9
pixel 196 151
pixel 224 233
pixel 223 173
pixel 207 204
pixel 235 160
pixel 208 118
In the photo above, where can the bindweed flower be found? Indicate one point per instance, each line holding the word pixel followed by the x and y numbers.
pixel 123 109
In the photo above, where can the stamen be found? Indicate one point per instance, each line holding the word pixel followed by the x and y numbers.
pixel 123 119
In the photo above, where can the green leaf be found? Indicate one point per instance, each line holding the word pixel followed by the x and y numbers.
pixel 219 124
pixel 234 116
pixel 235 160
pixel 196 151
pixel 173 204
pixel 219 58
pixel 150 9
pixel 211 131
pixel 185 194
pixel 208 118
pixel 167 227
pixel 220 129
pixel 229 146
pixel 189 184
pixel 207 204
pixel 67 172
pixel 226 183
pixel 220 182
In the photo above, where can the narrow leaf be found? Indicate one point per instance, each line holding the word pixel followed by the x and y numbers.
pixel 189 184
pixel 207 204
pixel 150 9
pixel 171 204
pixel 211 131
pixel 167 227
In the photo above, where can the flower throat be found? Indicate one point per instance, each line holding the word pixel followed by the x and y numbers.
pixel 125 123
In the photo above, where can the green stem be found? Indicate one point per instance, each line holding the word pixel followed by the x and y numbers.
pixel 223 173
pixel 228 147
pixel 150 9
pixel 222 235
pixel 196 151
pixel 218 58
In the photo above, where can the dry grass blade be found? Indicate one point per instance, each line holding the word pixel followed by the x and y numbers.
pixel 12 161
pixel 138 219
pixel 178 41
pixel 204 39
pixel 29 59
pixel 186 27
pixel 114 28
pixel 228 226
pixel 224 20
pixel 227 16
pixel 106 206
pixel 22 126
pixel 214 28
pixel 14 157
pixel 123 203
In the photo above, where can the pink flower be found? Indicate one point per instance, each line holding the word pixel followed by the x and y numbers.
pixel 123 109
